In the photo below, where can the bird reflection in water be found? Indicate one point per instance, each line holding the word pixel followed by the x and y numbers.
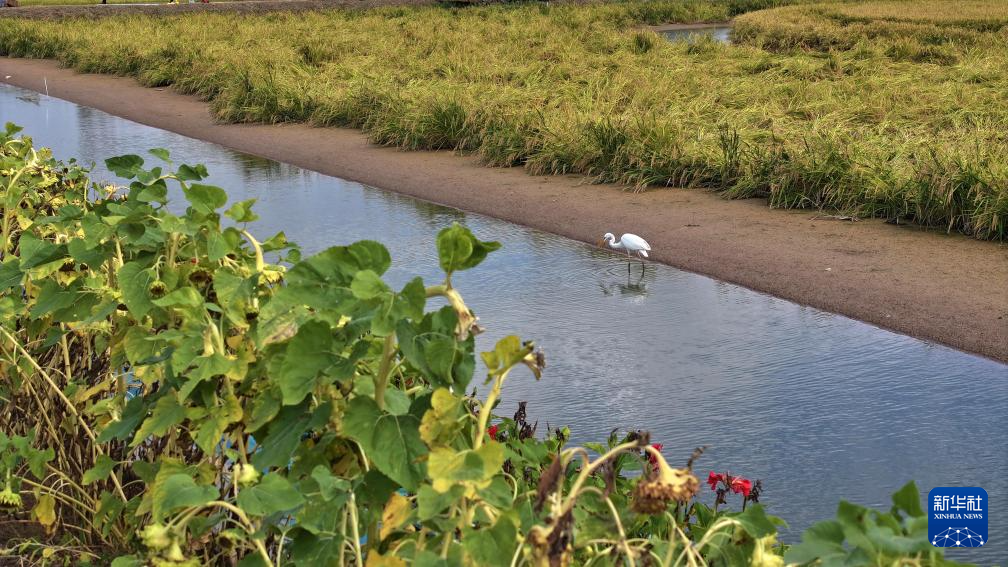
pixel 635 286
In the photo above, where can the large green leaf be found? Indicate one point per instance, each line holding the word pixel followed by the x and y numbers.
pixel 459 249
pixel 494 546
pixel 273 494
pixel 367 285
pixel 392 442
pixel 126 166
pixel 285 432
pixel 471 468
pixel 309 354
pixel 53 297
pixel 182 297
pixel 10 273
pixel 134 282
pixel 181 491
pixel 34 251
pixel 907 500
pixel 206 198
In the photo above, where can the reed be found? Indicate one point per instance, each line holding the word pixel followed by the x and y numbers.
pixel 882 109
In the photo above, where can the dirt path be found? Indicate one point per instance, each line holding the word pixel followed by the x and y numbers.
pixel 948 289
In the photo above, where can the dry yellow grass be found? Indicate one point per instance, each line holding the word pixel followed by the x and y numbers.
pixel 811 109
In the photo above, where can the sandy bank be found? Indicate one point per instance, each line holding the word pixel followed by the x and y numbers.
pixel 944 288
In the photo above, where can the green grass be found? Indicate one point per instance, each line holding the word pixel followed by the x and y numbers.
pixel 886 109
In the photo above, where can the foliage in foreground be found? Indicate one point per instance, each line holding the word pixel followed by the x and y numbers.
pixel 171 397
pixel 860 108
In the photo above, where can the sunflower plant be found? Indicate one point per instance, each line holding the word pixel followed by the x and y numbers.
pixel 177 391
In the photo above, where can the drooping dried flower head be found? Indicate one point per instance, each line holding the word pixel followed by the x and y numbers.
pixel 664 484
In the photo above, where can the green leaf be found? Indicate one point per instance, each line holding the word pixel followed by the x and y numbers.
pixel 506 353
pixel 492 547
pixel 100 471
pixel 181 491
pixel 52 297
pixel 392 442
pixel 110 507
pixel 273 494
pixel 217 246
pixel 459 249
pixel 442 423
pixel 430 345
pixel 161 154
pixel 308 355
pixel 134 281
pixel 191 173
pixel 430 502
pixel 367 285
pixel 35 251
pixel 455 246
pixel 182 297
pixel 755 522
pixel 132 415
pixel 285 432
pixel 167 414
pixel 205 198
pixel 242 211
pixel 10 273
pixel 907 499
pixel 821 541
pixel 426 558
pixel 472 468
pixel 329 486
pixel 126 166
pixel 92 256
pixel 128 561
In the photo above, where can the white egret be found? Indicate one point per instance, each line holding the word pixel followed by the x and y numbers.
pixel 630 243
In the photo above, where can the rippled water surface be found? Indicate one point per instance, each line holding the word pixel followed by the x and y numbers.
pixel 720 34
pixel 819 406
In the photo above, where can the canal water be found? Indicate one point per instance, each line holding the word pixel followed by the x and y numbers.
pixel 720 34
pixel 818 406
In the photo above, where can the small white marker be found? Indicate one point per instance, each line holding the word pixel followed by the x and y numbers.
pixel 7 76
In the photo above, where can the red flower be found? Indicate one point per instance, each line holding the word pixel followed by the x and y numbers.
pixel 651 458
pixel 741 485
pixel 492 430
pixel 713 479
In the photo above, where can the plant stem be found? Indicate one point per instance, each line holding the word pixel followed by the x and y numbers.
pixel 381 379
pixel 354 521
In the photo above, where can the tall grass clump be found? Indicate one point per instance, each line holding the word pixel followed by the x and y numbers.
pixel 882 109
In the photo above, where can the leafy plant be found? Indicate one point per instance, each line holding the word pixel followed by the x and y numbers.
pixel 176 392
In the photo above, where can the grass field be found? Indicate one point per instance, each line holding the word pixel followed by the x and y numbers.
pixel 84 2
pixel 885 109
pixel 93 2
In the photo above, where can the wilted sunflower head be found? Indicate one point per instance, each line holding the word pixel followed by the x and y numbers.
pixel 663 485
pixel 9 498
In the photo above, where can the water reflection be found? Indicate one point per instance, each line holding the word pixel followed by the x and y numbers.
pixel 818 406
pixel 636 284
pixel 719 34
